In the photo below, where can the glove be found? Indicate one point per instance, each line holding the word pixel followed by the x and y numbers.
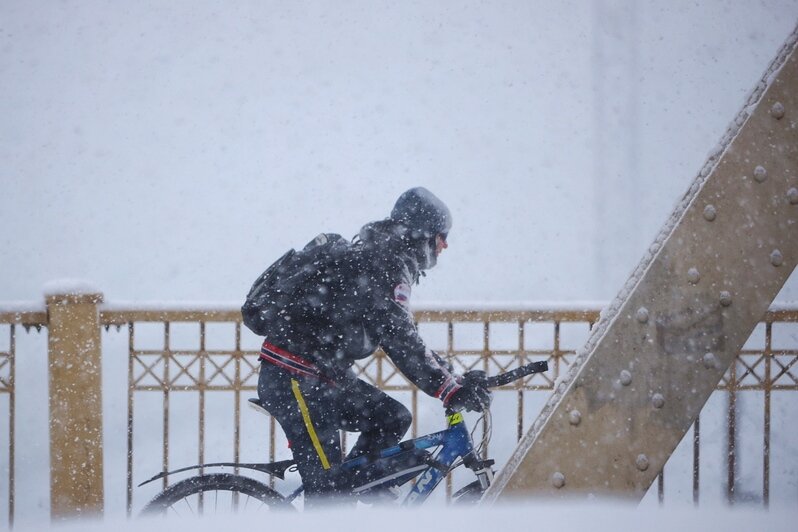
pixel 474 395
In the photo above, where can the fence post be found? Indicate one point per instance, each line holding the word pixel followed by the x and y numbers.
pixel 76 429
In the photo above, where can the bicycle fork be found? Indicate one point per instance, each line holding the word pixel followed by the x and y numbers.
pixel 481 468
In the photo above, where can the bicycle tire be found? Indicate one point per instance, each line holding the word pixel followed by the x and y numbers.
pixel 216 482
pixel 469 494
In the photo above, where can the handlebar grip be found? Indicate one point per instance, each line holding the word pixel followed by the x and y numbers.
pixel 518 373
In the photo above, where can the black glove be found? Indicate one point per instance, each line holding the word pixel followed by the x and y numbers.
pixel 474 395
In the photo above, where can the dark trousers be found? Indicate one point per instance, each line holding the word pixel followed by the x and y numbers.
pixel 312 412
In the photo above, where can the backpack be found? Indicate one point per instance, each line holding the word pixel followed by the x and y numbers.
pixel 297 284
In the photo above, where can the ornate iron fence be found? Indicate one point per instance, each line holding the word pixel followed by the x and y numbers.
pixel 9 321
pixel 498 340
pixel 167 370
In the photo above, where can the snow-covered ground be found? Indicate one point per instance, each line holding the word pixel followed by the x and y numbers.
pixel 509 518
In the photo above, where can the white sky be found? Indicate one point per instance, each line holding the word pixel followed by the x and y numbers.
pixel 171 150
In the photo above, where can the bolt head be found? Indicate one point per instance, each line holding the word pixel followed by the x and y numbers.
pixel 642 315
pixel 641 462
pixel 792 196
pixel 558 480
pixel 709 360
pixel 776 258
pixel 725 298
pixel 575 417
pixel 710 213
pixel 626 378
pixel 693 275
pixel 658 400
pixel 777 110
pixel 760 174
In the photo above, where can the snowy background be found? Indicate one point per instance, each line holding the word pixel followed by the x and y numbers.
pixel 168 151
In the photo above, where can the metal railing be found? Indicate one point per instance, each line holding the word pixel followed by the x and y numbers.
pixel 765 370
pixel 8 386
pixel 165 369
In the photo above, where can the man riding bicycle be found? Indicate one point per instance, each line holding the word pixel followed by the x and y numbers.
pixel 337 302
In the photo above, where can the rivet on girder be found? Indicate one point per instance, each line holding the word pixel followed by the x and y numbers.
pixel 558 480
pixel 710 362
pixel 693 275
pixel 658 400
pixel 641 462
pixel 792 195
pixel 777 111
pixel 575 417
pixel 710 213
pixel 760 174
pixel 642 315
pixel 725 298
pixel 776 258
pixel 626 378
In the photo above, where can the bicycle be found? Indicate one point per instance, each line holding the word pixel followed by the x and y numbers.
pixel 394 467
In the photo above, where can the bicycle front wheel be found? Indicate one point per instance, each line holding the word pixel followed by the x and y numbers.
pixel 218 493
pixel 468 495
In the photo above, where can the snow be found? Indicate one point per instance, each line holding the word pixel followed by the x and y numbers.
pixel 180 306
pixel 22 306
pixel 169 154
pixel 510 518
pixel 212 148
pixel 75 287
pixel 514 306
pixel 476 306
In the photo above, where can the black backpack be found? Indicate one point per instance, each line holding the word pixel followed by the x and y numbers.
pixel 297 284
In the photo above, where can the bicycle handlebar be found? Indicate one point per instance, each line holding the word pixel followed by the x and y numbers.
pixel 505 378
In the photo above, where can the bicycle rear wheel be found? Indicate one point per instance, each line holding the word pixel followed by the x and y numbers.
pixel 218 493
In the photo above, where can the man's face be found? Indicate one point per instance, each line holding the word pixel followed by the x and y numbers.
pixel 440 244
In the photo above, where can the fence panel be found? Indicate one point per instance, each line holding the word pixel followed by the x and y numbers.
pixel 493 340
pixel 189 371
pixel 9 320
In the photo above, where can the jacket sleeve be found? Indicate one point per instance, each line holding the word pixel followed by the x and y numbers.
pixel 398 336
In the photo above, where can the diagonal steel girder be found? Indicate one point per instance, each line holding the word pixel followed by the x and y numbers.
pixel 661 348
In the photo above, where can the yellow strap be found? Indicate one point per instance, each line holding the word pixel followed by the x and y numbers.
pixel 308 425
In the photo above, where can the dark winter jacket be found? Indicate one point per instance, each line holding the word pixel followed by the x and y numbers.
pixel 361 302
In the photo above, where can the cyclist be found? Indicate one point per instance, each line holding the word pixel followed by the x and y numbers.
pixel 361 303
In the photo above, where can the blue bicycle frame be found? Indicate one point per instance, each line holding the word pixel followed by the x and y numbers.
pixel 455 442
